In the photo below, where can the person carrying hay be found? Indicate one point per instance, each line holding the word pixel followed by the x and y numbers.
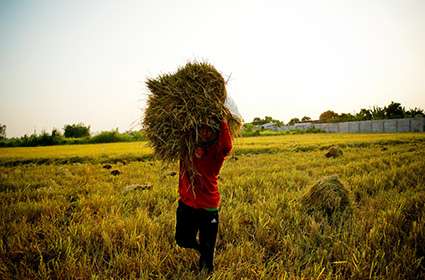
pixel 199 197
pixel 190 118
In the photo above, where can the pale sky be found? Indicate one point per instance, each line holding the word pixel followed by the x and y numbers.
pixel 63 62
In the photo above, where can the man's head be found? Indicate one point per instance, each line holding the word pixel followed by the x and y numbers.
pixel 207 134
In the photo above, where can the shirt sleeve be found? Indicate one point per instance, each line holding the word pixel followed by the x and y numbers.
pixel 225 139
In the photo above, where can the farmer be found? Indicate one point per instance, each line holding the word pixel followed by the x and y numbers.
pixel 198 205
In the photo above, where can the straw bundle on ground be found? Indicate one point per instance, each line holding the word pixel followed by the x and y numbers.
pixel 328 197
pixel 334 152
pixel 179 104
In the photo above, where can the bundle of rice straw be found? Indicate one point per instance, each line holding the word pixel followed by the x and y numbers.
pixel 328 196
pixel 334 152
pixel 177 106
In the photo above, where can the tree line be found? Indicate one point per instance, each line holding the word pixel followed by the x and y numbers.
pixel 73 134
pixel 392 111
pixel 80 133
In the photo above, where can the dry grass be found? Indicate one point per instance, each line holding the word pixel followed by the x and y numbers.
pixel 74 220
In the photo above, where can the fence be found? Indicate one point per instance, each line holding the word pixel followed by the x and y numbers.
pixel 372 126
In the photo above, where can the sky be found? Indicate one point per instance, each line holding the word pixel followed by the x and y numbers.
pixel 65 62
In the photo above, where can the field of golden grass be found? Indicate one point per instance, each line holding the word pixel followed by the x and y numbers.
pixel 63 215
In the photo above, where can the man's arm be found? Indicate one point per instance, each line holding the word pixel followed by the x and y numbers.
pixel 225 138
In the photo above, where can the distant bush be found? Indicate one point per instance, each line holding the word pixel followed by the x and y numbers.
pixel 72 141
pixel 56 138
pixel 108 137
pixel 44 139
pixel 136 135
pixel 76 130
pixel 114 136
pixel 249 132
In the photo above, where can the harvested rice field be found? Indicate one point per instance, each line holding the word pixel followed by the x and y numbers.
pixel 107 211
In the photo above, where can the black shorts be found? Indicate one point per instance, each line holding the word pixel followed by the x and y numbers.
pixel 191 221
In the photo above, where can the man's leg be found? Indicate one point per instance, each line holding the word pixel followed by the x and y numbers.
pixel 186 227
pixel 208 228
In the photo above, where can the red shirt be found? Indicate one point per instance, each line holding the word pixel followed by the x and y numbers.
pixel 207 163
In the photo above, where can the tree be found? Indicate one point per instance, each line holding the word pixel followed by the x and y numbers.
pixel 364 114
pixel 293 121
pixel 394 111
pixel 414 113
pixel 248 126
pixel 343 117
pixel 257 121
pixel 76 130
pixel 277 122
pixel 378 113
pixel 2 131
pixel 267 119
pixel 305 119
pixel 328 116
pixel 56 133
